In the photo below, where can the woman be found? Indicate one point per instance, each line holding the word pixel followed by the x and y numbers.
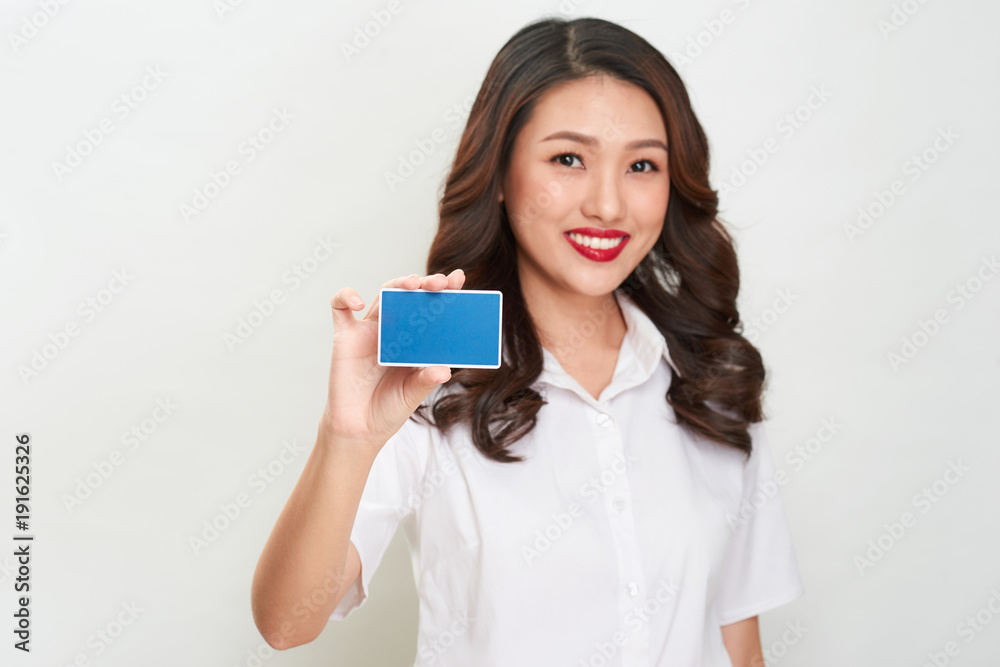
pixel 602 498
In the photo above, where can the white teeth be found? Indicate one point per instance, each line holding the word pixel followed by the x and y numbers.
pixel 594 242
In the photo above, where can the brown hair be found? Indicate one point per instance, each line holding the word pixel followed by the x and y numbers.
pixel 687 284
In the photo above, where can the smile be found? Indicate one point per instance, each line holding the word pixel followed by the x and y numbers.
pixel 597 244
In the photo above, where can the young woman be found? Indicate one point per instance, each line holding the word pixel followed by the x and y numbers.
pixel 605 497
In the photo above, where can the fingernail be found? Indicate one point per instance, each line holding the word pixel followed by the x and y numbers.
pixel 356 301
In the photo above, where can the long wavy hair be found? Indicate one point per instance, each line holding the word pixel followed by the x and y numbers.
pixel 687 284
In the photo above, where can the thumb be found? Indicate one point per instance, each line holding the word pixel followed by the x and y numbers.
pixel 420 384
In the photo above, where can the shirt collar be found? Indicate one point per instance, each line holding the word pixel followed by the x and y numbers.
pixel 642 350
pixel 646 340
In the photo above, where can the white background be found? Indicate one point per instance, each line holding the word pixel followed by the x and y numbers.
pixel 853 300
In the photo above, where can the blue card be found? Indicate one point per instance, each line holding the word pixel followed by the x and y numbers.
pixel 455 328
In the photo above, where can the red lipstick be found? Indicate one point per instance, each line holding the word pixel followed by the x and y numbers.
pixel 598 254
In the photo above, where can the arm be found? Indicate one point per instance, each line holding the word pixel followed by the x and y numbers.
pixel 309 562
pixel 742 641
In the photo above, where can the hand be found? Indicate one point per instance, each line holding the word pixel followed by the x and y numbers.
pixel 368 403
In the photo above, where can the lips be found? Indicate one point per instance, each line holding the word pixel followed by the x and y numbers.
pixel 608 247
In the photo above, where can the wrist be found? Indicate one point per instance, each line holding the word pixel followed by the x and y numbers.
pixel 331 437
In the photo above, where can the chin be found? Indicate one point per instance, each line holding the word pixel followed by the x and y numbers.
pixel 597 286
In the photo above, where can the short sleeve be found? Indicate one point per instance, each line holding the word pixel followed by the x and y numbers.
pixel 760 571
pixel 395 477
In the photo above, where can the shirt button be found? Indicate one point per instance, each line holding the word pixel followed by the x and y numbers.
pixel 619 503
pixel 633 589
pixel 604 420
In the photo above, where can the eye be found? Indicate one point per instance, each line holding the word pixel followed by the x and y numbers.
pixel 652 166
pixel 566 159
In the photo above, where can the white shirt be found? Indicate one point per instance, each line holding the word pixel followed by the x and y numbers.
pixel 621 541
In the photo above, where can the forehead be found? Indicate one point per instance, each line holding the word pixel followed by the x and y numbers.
pixel 601 105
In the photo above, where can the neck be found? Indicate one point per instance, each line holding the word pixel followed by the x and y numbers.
pixel 570 324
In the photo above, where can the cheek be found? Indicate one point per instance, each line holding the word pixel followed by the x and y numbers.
pixel 651 209
pixel 541 199
pixel 656 199
pixel 650 213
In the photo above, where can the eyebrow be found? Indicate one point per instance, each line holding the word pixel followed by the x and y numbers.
pixel 592 141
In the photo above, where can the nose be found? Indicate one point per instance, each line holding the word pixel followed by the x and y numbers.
pixel 605 199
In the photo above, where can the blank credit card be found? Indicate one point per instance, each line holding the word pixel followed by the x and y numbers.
pixel 456 328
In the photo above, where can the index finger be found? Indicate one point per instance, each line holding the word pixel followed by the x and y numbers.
pixel 411 281
pixel 433 282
